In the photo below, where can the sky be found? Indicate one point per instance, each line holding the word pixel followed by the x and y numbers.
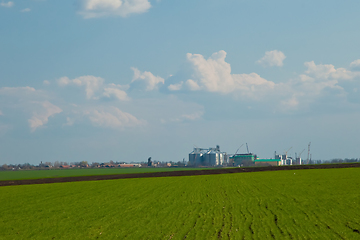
pixel 124 80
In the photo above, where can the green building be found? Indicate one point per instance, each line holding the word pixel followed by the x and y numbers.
pixel 271 162
pixel 241 159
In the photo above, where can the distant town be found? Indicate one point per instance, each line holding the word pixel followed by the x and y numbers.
pixel 199 157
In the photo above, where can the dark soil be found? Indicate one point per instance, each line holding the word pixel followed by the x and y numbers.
pixel 175 173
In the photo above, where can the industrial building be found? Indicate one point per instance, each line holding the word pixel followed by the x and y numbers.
pixel 250 159
pixel 214 157
pixel 207 157
pixel 242 159
pixel 286 160
pixel 267 162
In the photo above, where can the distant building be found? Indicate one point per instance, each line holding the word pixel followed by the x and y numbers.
pixel 207 157
pixel 286 160
pixel 242 159
pixel 127 165
pixel 267 162
pixel 298 161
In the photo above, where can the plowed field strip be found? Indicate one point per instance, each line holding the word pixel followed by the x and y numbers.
pixel 173 174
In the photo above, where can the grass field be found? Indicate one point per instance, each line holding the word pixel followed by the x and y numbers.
pixel 301 204
pixel 35 174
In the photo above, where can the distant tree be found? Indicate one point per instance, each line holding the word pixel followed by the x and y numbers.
pixel 4 167
pixel 149 162
pixel 48 164
pixel 83 164
pixel 26 166
pixel 57 164
pixel 94 164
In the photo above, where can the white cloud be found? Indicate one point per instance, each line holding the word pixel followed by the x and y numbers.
pixel 26 10
pixel 91 83
pixel 214 75
pixel 327 71
pixel 115 92
pixel 272 58
pixel 146 80
pixel 113 118
pixel 122 8
pixel 63 81
pixel 95 84
pixel 16 90
pixel 7 4
pixel 46 82
pixel 41 116
pixel 1 113
pixel 193 116
pixel 192 85
pixel 175 87
pixel 355 65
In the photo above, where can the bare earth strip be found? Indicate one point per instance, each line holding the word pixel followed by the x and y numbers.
pixel 174 173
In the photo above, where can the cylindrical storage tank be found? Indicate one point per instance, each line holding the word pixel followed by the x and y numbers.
pixel 192 158
pixel 221 158
pixel 206 159
pixel 198 160
pixel 213 158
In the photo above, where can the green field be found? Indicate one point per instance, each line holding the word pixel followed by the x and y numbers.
pixel 35 174
pixel 302 204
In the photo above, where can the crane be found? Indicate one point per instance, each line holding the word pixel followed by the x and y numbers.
pixel 308 153
pixel 287 151
pixel 238 149
pixel 301 153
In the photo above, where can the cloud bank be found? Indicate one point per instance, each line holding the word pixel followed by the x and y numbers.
pixel 104 8
pixel 7 4
pixel 109 105
pixel 214 75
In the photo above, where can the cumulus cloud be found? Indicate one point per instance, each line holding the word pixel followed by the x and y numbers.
pixel 327 71
pixel 103 8
pixel 116 93
pixel 41 116
pixel 145 80
pixel 175 87
pixel 355 65
pixel 46 82
pixel 94 84
pixel 91 83
pixel 26 10
pixel 214 75
pixel 272 58
pixel 113 118
pixel 7 4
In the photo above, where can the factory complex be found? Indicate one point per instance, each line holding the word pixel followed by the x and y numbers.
pixel 215 157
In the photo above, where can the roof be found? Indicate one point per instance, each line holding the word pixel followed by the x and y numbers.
pixel 267 160
pixel 250 155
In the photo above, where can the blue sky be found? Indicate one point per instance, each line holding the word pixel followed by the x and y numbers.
pixel 123 80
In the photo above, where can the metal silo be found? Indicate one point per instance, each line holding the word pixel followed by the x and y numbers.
pixel 221 158
pixel 213 158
